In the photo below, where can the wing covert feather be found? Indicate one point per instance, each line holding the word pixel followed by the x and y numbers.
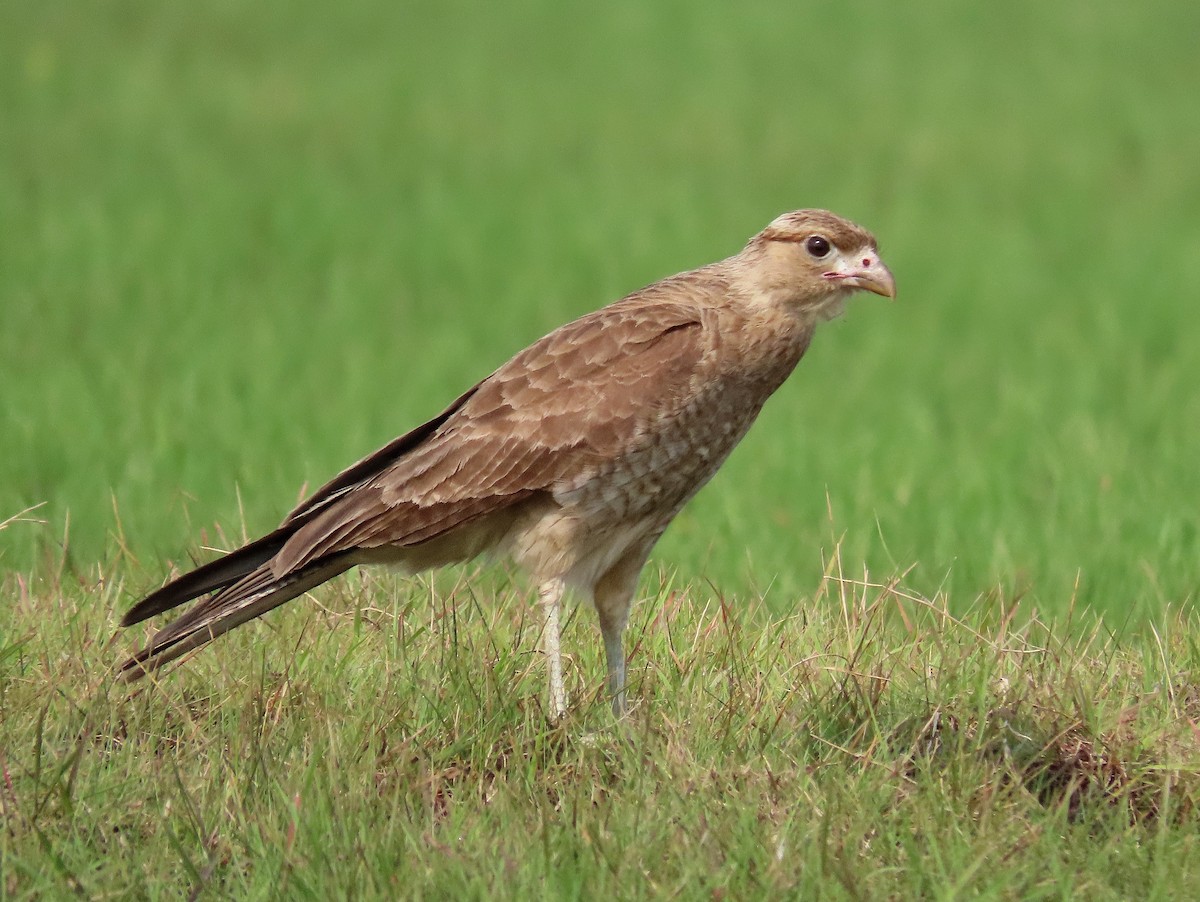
pixel 580 396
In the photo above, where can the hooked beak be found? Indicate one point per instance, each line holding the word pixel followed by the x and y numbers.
pixel 871 276
pixel 876 278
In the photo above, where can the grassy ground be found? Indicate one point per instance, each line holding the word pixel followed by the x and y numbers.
pixel 243 244
pixel 871 747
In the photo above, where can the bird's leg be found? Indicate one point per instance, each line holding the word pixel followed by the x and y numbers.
pixel 614 654
pixel 613 597
pixel 550 594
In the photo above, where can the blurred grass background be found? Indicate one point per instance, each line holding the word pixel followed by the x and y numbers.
pixel 241 245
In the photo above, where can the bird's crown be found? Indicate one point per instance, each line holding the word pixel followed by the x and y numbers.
pixel 800 225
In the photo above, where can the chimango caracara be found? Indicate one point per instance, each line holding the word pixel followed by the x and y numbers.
pixel 571 459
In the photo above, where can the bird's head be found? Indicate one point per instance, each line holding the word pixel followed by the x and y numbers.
pixel 812 260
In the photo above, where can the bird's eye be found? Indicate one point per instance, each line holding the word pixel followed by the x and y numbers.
pixel 817 246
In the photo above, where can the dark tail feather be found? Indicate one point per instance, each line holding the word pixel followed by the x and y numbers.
pixel 252 596
pixel 212 576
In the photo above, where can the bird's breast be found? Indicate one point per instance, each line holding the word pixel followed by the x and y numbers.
pixel 667 462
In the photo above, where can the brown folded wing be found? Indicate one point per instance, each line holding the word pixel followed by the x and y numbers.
pixel 554 414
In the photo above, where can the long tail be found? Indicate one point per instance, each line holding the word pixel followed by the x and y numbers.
pixel 218 574
pixel 255 593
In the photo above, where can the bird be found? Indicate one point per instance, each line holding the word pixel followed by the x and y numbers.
pixel 570 460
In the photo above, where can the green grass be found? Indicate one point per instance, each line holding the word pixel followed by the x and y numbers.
pixel 241 245
pixel 872 747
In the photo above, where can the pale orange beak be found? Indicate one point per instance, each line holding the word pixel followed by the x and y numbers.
pixel 876 278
